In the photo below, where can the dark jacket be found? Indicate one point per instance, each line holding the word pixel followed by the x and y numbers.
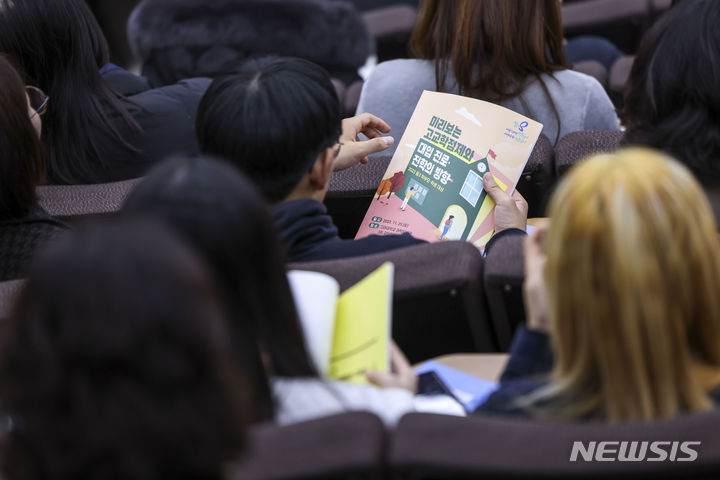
pixel 309 234
pixel 176 39
pixel 528 369
pixel 167 118
pixel 21 237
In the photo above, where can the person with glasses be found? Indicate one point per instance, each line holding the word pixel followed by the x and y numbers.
pixel 24 225
pixel 93 134
pixel 278 120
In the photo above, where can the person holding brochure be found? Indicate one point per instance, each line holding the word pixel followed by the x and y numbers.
pixel 621 289
pixel 290 154
pixel 465 47
pixel 210 205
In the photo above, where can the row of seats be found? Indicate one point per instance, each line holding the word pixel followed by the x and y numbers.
pixel 425 446
pixel 447 297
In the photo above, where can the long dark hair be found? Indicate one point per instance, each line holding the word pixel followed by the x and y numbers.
pixel 672 100
pixel 116 364
pixel 215 209
pixel 491 46
pixel 61 48
pixel 21 164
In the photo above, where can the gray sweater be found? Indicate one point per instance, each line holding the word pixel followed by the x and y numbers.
pixel 394 88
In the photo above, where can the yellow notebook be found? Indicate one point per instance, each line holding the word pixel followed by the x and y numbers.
pixel 346 334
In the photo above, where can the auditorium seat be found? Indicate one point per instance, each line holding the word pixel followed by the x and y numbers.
pixel 438 304
pixel 620 73
pixel 9 290
pixel 390 26
pixel 350 192
pixel 594 69
pixel 538 177
pixel 345 446
pixel 503 278
pixel 76 202
pixel 575 146
pixel 441 447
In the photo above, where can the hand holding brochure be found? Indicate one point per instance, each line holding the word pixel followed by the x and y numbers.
pixel 346 334
pixel 433 186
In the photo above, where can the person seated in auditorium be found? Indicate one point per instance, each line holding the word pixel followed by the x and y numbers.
pixel 24 225
pixel 216 210
pixel 115 364
pixel 623 315
pixel 278 120
pixel 92 134
pixel 672 102
pixel 464 47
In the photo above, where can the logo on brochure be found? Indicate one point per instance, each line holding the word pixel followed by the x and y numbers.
pixel 517 133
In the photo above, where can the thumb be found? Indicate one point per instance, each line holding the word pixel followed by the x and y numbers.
pixel 381 379
pixel 493 189
pixel 371 146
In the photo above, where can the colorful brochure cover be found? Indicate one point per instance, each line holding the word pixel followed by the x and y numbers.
pixel 433 186
pixel 347 334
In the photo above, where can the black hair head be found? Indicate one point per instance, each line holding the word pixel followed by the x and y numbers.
pixel 115 363
pixel 271 118
pixel 60 47
pixel 217 211
pixel 672 100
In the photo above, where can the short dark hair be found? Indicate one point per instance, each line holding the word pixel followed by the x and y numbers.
pixel 217 211
pixel 60 47
pixel 21 163
pixel 115 363
pixel 672 100
pixel 271 118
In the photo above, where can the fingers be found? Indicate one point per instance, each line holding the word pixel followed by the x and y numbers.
pixel 494 190
pixel 398 360
pixel 534 249
pixel 353 153
pixel 381 379
pixel 520 201
pixel 366 123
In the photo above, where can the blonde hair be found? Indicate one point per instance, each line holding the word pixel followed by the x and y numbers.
pixel 633 282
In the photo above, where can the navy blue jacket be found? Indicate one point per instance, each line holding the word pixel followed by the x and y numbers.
pixel 309 234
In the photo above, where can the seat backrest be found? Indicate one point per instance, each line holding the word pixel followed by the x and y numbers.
pixel 351 191
pixel 503 278
pixel 438 303
pixel 442 447
pixel 620 73
pixel 576 146
pixel 73 202
pixel 9 291
pixel 195 38
pixel 538 177
pixel 349 445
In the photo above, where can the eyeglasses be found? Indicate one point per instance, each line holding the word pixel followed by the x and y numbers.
pixel 38 100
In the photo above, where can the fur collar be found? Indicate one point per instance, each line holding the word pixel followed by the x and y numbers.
pixel 323 31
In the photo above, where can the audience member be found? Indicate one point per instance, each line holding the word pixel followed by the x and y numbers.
pixel 24 225
pixel 215 209
pixel 468 47
pixel 92 135
pixel 625 280
pixel 278 121
pixel 115 364
pixel 672 101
